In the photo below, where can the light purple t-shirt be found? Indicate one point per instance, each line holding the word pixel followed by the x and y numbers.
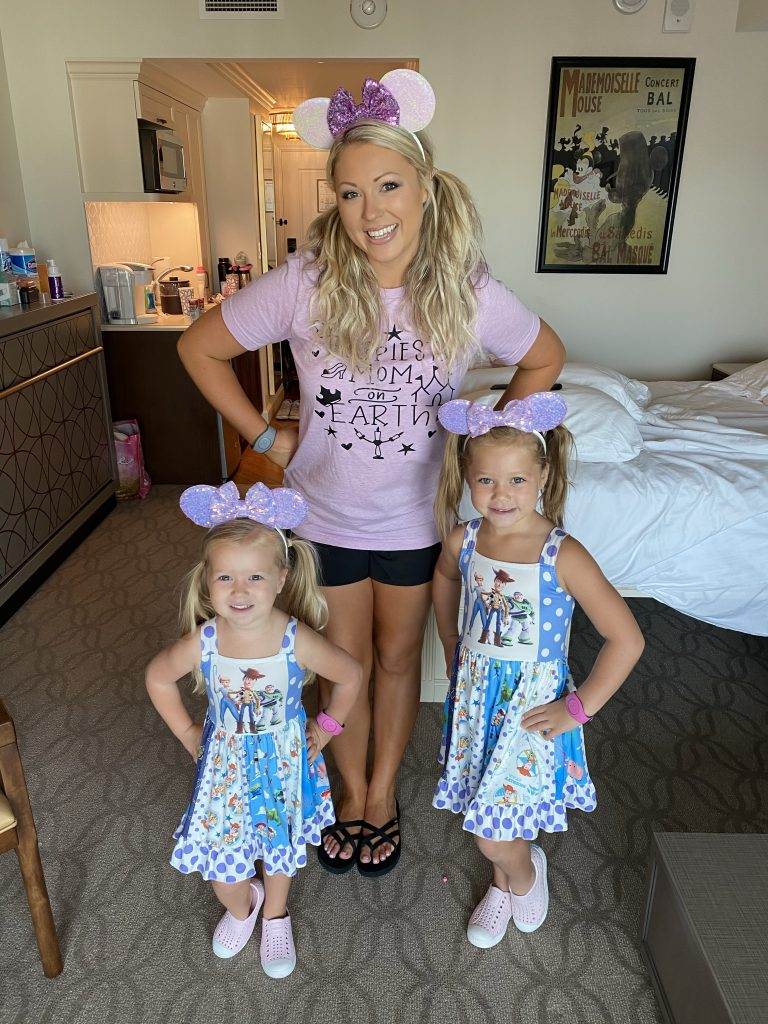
pixel 370 445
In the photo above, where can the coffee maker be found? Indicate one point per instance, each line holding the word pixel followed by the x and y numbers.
pixel 124 290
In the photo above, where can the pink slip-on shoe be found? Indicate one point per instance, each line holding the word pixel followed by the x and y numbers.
pixel 232 934
pixel 490 918
pixel 278 954
pixel 529 911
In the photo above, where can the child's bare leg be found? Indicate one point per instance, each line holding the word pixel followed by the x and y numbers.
pixel 511 860
pixel 235 896
pixel 276 889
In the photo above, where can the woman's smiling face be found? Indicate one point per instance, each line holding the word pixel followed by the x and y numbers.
pixel 381 205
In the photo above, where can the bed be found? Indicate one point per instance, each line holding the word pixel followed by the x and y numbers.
pixel 670 491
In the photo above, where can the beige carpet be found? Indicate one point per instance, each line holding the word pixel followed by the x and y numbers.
pixel 683 747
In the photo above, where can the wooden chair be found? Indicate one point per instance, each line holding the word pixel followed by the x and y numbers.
pixel 17 832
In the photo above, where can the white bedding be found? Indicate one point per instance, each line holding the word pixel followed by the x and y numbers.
pixel 686 521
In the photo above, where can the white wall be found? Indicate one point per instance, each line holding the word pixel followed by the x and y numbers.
pixel 13 209
pixel 229 150
pixel 489 62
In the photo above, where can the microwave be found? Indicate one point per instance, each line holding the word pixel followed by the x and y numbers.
pixel 162 158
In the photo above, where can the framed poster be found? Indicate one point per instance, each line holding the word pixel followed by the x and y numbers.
pixel 614 147
pixel 326 197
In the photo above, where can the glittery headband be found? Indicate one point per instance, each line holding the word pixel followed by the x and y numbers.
pixel 533 415
pixel 280 508
pixel 402 97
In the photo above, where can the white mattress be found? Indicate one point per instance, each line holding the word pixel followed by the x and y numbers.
pixel 686 521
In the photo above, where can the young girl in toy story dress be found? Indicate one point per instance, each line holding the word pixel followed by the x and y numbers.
pixel 513 751
pixel 261 793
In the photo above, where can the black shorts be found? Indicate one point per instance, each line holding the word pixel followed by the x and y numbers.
pixel 341 566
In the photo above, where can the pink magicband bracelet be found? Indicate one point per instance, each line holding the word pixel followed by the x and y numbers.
pixel 575 709
pixel 328 724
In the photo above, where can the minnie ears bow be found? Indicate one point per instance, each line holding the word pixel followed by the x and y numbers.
pixel 281 508
pixel 402 97
pixel 533 414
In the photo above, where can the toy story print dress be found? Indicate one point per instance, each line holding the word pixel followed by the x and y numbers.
pixel 512 656
pixel 256 795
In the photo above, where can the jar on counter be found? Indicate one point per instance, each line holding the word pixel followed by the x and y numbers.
pixel 170 301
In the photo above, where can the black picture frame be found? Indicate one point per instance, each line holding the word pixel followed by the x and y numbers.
pixel 609 191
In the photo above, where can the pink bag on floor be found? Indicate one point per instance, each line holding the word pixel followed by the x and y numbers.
pixel 133 479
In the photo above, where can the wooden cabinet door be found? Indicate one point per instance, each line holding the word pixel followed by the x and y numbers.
pixel 153 106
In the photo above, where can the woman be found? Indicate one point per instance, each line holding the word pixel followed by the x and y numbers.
pixel 384 311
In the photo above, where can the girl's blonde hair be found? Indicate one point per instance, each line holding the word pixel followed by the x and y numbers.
pixel 299 597
pixel 439 282
pixel 458 455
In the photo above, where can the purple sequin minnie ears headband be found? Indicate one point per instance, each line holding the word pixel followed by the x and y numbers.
pixel 533 415
pixel 280 508
pixel 402 97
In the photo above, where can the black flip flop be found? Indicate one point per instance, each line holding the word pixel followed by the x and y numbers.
pixel 373 838
pixel 339 865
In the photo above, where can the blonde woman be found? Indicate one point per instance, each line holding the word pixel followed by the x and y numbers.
pixel 384 311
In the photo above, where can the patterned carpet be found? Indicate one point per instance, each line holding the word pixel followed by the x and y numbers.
pixel 683 747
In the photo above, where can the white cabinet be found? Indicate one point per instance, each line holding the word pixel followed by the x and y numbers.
pixel 108 97
pixel 153 106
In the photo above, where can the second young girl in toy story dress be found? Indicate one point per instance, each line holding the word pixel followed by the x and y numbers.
pixel 513 750
pixel 250 614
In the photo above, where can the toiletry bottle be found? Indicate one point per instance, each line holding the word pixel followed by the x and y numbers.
pixel 24 264
pixel 201 278
pixel 54 281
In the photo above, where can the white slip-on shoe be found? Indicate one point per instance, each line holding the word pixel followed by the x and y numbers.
pixel 231 934
pixel 490 918
pixel 278 954
pixel 529 911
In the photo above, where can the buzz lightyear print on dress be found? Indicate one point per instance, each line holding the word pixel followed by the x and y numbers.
pixel 503 602
pixel 388 410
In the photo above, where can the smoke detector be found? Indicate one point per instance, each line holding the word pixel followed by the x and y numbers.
pixel 368 13
pixel 629 6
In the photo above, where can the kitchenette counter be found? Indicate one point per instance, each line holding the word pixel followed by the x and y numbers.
pixel 165 322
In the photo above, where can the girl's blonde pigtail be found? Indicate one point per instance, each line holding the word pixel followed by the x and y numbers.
pixel 559 442
pixel 450 486
pixel 301 595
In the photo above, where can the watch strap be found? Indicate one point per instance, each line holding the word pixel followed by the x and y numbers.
pixel 265 440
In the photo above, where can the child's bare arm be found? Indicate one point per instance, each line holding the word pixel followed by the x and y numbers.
pixel 331 662
pixel 161 680
pixel 581 576
pixel 446 592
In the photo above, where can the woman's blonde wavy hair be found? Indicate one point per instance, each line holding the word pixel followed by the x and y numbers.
pixel 458 455
pixel 439 282
pixel 300 596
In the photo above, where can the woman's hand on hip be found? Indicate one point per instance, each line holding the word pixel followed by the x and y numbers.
pixel 284 448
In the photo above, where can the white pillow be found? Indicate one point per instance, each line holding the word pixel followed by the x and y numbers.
pixel 751 383
pixel 634 395
pixel 602 429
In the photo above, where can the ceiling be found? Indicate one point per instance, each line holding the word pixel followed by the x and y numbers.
pixel 289 81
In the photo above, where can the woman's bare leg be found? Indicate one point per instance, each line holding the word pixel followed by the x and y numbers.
pixel 350 625
pixel 399 618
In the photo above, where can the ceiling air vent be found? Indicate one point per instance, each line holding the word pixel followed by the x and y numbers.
pixel 233 9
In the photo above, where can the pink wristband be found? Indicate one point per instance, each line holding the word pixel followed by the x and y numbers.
pixel 575 708
pixel 328 724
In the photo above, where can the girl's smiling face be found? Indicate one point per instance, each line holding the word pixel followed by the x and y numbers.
pixel 504 480
pixel 381 205
pixel 244 580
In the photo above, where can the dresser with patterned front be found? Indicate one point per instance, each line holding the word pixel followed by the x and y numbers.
pixel 57 469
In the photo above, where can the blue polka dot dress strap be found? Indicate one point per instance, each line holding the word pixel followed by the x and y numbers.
pixel 468 545
pixel 551 546
pixel 289 637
